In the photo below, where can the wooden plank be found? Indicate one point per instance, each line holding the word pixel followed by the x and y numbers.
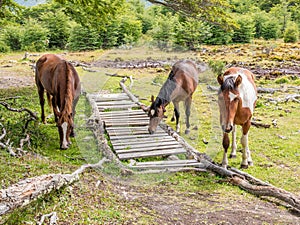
pixel 131 132
pixel 139 136
pixel 111 107
pixel 139 128
pixel 124 115
pixel 129 112
pixel 150 154
pixel 150 148
pixel 165 162
pixel 121 142
pixel 123 119
pixel 139 144
pixel 126 123
pixel 114 103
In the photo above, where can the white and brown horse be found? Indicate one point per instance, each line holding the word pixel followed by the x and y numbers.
pixel 180 86
pixel 61 82
pixel 236 98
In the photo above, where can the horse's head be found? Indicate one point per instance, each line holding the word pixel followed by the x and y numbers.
pixel 228 100
pixel 156 114
pixel 65 128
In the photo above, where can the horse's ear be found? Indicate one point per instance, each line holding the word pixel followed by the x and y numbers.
pixel 220 79
pixel 152 98
pixel 238 80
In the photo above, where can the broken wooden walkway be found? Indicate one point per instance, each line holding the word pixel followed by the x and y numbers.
pixel 127 127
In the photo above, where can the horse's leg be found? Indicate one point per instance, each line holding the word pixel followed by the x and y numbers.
pixel 42 100
pixel 246 158
pixel 187 103
pixel 173 116
pixel 233 145
pixel 72 134
pixel 226 143
pixel 177 115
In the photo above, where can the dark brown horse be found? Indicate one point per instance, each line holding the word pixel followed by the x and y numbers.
pixel 61 82
pixel 180 86
pixel 236 98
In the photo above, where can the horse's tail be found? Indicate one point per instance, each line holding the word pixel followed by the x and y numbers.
pixel 69 89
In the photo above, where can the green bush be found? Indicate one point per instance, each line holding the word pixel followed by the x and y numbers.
pixel 83 38
pixel 245 32
pixel 4 47
pixel 59 29
pixel 13 36
pixel 291 33
pixel 35 37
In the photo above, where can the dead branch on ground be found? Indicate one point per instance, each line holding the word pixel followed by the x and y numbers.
pixel 28 190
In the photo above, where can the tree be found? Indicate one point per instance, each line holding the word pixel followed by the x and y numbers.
pixel 291 33
pixel 245 32
pixel 59 29
pixel 35 37
pixel 210 11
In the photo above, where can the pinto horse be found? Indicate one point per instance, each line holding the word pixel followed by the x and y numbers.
pixel 61 82
pixel 237 99
pixel 180 86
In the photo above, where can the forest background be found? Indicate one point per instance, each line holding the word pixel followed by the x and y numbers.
pixel 80 25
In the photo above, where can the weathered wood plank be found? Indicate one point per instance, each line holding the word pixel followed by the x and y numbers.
pixel 114 103
pixel 129 106
pixel 123 119
pixel 126 123
pixel 122 142
pixel 166 162
pixel 150 154
pixel 143 144
pixel 139 136
pixel 128 112
pixel 124 115
pixel 150 148
pixel 131 132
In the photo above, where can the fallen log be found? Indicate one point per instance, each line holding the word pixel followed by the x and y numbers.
pixel 28 190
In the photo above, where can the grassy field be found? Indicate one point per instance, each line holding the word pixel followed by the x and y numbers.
pixel 108 197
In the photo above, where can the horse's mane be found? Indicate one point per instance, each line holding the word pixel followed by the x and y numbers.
pixel 228 83
pixel 67 110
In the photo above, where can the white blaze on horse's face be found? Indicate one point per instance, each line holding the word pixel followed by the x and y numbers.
pixel 155 117
pixel 64 127
pixel 232 96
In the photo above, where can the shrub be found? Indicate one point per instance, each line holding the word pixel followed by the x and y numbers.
pixel 291 33
pixel 83 38
pixel 4 47
pixel 35 37
pixel 13 36
pixel 245 32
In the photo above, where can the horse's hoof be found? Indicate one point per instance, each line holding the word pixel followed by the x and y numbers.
pixel 244 166
pixel 187 131
pixel 250 163
pixel 232 156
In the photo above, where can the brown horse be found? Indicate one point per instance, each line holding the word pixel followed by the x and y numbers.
pixel 236 98
pixel 61 82
pixel 180 86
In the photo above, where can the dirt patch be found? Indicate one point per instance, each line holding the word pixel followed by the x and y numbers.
pixel 15 81
pixel 165 205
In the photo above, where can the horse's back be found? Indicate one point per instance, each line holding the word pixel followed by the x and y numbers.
pixel 51 69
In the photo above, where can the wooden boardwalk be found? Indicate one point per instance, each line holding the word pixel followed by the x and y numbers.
pixel 127 127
